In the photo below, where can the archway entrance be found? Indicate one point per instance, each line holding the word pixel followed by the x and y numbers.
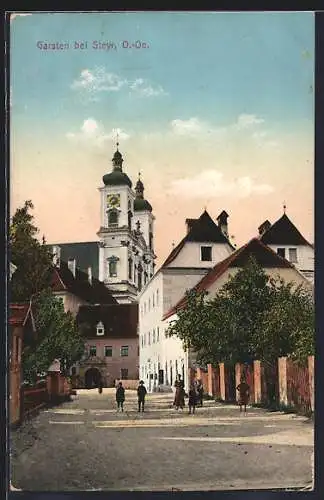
pixel 92 378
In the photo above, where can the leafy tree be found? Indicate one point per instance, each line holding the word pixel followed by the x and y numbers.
pixel 252 316
pixel 57 337
pixel 32 258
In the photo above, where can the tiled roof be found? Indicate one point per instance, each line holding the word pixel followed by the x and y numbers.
pixel 86 254
pixel 202 230
pixel 283 232
pixel 63 280
pixel 19 313
pixel 120 320
pixel 263 254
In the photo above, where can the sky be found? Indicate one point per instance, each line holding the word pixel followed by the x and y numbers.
pixel 216 110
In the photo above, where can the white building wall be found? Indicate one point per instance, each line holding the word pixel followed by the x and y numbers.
pixel 175 285
pixel 190 255
pixel 305 258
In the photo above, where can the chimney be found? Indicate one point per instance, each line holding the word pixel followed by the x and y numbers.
pixel 222 222
pixel 56 251
pixel 264 227
pixel 90 275
pixel 189 224
pixel 72 265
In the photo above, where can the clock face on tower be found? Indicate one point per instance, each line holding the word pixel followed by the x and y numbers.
pixel 113 200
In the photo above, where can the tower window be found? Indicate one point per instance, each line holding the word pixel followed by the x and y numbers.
pixel 130 268
pixel 112 218
pixel 293 255
pixel 206 253
pixel 281 252
pixel 130 215
pixel 112 263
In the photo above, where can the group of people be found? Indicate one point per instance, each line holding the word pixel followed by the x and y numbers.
pixel 195 395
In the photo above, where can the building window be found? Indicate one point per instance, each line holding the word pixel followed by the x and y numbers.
pixel 108 351
pixel 153 336
pixel 93 350
pixel 130 268
pixel 144 307
pixel 124 350
pixel 112 263
pixel 124 373
pixel 157 297
pixel 153 300
pixel 281 252
pixel 149 338
pixel 157 334
pixel 112 218
pixel 206 253
pixel 130 215
pixel 149 304
pixel 100 328
pixel 293 255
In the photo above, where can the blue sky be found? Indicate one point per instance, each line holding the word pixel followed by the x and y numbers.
pixel 218 112
pixel 210 64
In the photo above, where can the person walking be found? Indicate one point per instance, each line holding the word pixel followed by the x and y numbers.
pixel 100 386
pixel 179 398
pixel 192 399
pixel 141 393
pixel 120 396
pixel 200 392
pixel 244 394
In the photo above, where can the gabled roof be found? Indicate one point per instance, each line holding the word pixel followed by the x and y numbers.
pixel 202 230
pixel 119 320
pixel 85 253
pixel 263 255
pixel 283 232
pixel 63 280
pixel 19 314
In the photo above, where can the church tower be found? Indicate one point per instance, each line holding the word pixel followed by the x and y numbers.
pixel 126 255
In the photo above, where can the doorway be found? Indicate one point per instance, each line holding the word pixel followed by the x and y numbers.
pixel 92 378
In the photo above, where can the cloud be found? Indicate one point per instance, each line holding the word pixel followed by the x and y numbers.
pixel 93 133
pixel 98 80
pixel 91 82
pixel 246 121
pixel 211 183
pixel 143 88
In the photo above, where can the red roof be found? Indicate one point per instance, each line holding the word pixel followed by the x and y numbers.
pixel 19 313
pixel 263 254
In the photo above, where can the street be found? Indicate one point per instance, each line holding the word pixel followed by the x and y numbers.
pixel 86 445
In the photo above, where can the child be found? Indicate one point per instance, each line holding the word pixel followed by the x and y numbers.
pixel 192 399
pixel 141 393
pixel 120 396
pixel 243 388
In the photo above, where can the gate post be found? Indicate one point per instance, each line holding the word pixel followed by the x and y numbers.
pixel 222 381
pixel 282 374
pixel 257 381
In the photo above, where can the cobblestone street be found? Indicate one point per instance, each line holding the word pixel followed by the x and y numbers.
pixel 86 445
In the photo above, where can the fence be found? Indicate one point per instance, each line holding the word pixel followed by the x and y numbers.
pixel 33 398
pixel 284 383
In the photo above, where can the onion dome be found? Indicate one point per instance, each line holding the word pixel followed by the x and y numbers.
pixel 140 204
pixel 117 177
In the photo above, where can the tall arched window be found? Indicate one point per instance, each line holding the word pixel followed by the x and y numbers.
pixel 130 216
pixel 130 268
pixel 112 266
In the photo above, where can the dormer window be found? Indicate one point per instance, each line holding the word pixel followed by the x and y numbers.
pixel 100 328
pixel 281 252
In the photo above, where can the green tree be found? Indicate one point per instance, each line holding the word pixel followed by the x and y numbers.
pixel 252 316
pixel 57 337
pixel 32 258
